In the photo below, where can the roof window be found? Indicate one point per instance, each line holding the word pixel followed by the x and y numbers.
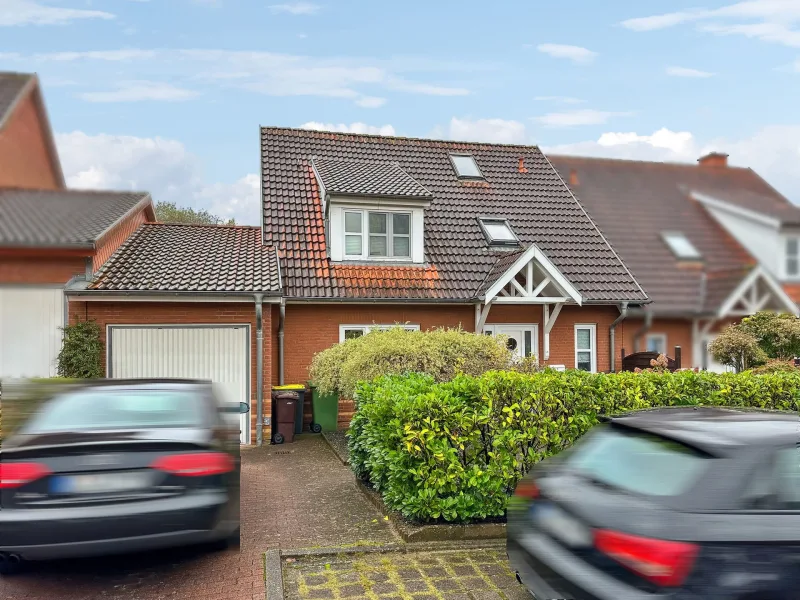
pixel 498 232
pixel 465 166
pixel 681 246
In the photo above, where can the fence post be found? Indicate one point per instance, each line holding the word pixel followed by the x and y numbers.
pixel 677 357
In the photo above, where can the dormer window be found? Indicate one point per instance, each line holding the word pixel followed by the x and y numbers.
pixel 498 232
pixel 465 166
pixel 377 234
pixel 681 247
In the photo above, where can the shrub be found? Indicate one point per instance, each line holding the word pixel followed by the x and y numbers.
pixel 737 348
pixel 777 366
pixel 456 450
pixel 440 353
pixel 81 352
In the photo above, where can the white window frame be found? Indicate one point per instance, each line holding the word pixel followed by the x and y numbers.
pixel 592 327
pixel 365 329
pixel 389 235
pixel 787 257
pixel 533 328
pixel 656 336
pixel 679 237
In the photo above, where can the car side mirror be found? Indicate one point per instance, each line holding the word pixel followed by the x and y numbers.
pixel 244 408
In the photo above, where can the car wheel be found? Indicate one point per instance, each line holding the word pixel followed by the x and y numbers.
pixel 316 427
pixel 278 439
pixel 10 564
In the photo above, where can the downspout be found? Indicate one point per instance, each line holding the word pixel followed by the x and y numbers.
pixel 648 323
pixel 612 334
pixel 281 321
pixel 259 298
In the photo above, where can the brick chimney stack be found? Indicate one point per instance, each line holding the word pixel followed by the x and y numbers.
pixel 714 159
pixel 522 167
pixel 573 178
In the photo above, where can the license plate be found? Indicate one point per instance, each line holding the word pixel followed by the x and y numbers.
pixel 101 483
pixel 561 526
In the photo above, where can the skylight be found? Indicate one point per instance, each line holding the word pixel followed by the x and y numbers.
pixel 465 166
pixel 498 231
pixel 681 246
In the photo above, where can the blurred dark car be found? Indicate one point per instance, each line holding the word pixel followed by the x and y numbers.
pixel 119 466
pixel 686 503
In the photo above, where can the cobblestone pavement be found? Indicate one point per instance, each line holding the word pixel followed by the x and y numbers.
pixel 446 575
pixel 293 496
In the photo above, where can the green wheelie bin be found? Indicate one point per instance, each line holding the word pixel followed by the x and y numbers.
pixel 325 408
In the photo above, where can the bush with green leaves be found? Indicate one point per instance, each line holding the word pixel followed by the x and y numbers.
pixel 81 351
pixel 757 339
pixel 455 450
pixel 440 353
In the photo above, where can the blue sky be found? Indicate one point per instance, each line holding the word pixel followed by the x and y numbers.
pixel 167 95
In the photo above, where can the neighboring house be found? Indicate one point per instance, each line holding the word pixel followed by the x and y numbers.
pixel 49 238
pixel 28 156
pixel 710 243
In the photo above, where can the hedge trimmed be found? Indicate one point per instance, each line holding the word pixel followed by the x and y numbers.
pixel 455 451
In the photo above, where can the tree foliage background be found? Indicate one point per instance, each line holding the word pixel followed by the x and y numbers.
pixel 764 337
pixel 169 212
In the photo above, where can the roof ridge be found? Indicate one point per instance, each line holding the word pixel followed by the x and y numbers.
pixel 71 191
pixel 664 163
pixel 345 134
pixel 202 225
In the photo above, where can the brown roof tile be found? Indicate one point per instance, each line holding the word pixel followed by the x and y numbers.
pixel 191 258
pixel 352 177
pixel 538 205
pixel 11 86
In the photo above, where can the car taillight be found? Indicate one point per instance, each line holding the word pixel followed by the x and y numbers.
pixel 14 475
pixel 198 464
pixel 663 562
pixel 527 489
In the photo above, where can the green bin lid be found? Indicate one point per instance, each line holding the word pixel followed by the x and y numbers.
pixel 291 386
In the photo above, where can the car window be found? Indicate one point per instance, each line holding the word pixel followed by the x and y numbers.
pixel 98 408
pixel 787 478
pixel 639 463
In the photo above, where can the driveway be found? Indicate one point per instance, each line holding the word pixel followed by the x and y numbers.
pixel 293 496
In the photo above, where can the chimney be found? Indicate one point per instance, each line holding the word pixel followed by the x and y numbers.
pixel 573 178
pixel 522 168
pixel 714 159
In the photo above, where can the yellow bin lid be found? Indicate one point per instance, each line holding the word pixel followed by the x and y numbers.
pixel 291 386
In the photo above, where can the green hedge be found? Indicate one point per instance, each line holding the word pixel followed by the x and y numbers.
pixel 21 399
pixel 456 450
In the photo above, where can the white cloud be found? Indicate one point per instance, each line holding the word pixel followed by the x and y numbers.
pixel 163 167
pixel 769 20
pixel 371 102
pixel 574 118
pixel 267 73
pixel 352 128
pixel 686 72
pixel 296 8
pixel 497 131
pixel 29 12
pixel 773 151
pixel 576 54
pixel 559 99
pixel 138 91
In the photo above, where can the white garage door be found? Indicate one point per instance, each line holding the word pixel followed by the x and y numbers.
pixel 218 353
pixel 30 334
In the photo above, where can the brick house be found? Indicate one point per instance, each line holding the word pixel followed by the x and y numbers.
pixel 710 243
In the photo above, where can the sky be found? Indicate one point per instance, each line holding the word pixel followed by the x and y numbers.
pixel 167 96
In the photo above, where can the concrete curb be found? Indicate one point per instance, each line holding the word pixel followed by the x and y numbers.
pixel 343 459
pixel 273 575
pixel 411 533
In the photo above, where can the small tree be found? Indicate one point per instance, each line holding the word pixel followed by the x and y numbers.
pixel 81 351
pixel 778 335
pixel 169 212
pixel 737 348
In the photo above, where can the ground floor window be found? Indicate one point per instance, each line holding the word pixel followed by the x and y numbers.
pixel 351 332
pixel 657 342
pixel 523 340
pixel 586 347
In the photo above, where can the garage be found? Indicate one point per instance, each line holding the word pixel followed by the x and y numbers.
pixel 30 330
pixel 220 353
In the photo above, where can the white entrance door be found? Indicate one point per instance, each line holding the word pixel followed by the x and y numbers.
pixel 217 353
pixel 523 340
pixel 30 331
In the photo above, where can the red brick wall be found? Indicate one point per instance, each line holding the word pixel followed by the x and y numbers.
pixel 154 313
pixel 24 158
pixel 114 238
pixel 40 270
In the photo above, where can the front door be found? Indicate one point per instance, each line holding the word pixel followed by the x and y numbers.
pixel 522 339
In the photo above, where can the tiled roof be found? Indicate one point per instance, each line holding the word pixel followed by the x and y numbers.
pixel 765 201
pixel 191 258
pixel 351 177
pixel 634 202
pixel 503 263
pixel 11 85
pixel 61 218
pixel 538 205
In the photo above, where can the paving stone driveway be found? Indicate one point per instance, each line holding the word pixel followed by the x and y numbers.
pixel 293 496
pixel 447 575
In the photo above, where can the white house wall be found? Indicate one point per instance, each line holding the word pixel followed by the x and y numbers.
pixel 760 240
